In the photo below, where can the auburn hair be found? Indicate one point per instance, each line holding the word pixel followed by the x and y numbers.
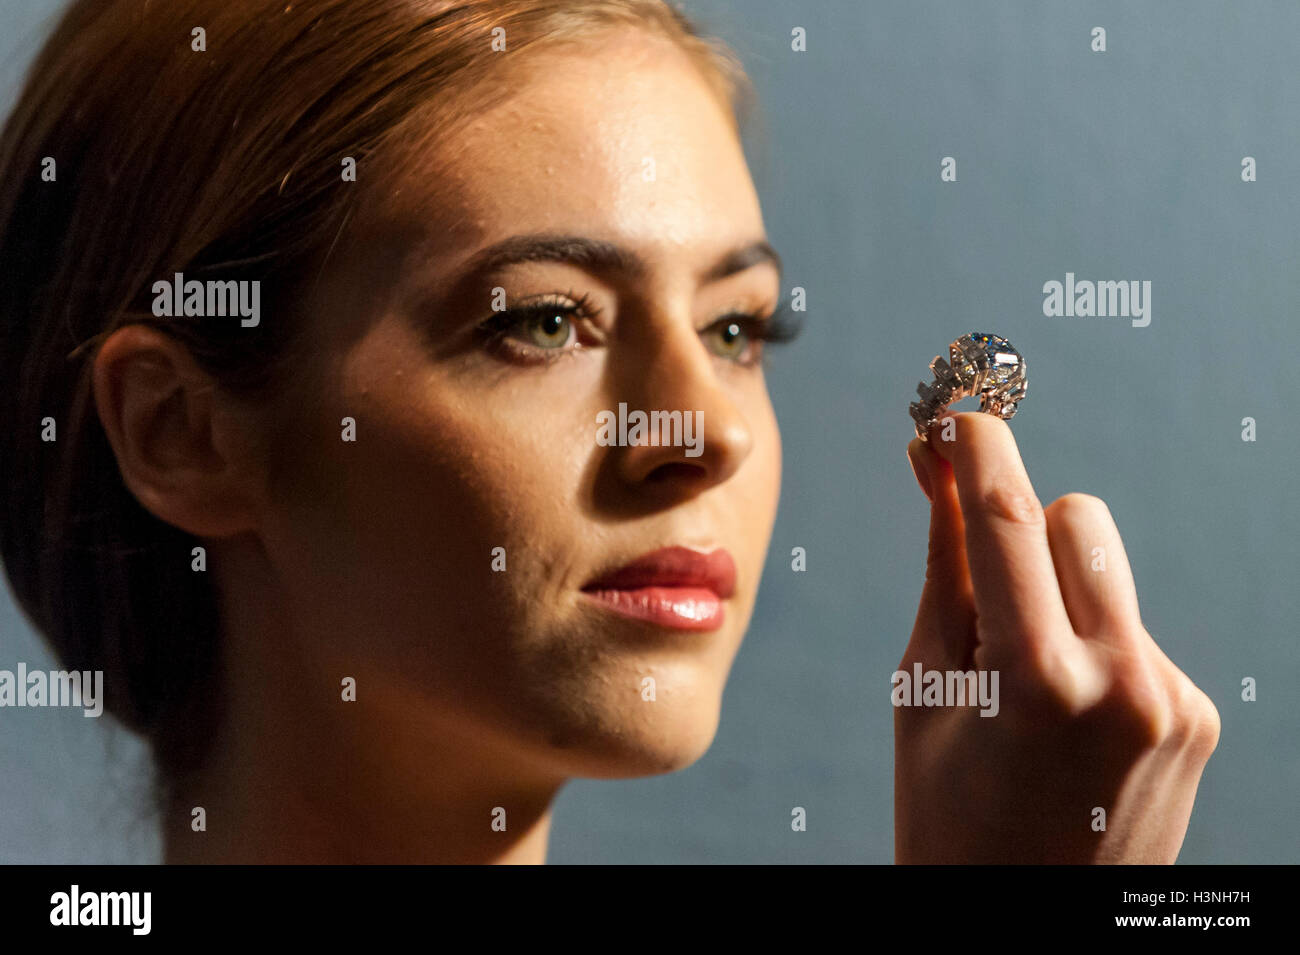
pixel 140 147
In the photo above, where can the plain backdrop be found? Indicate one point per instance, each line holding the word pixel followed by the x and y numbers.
pixel 1114 166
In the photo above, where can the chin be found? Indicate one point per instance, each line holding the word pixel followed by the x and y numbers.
pixel 624 746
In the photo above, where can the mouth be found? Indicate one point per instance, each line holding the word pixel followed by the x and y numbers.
pixel 673 587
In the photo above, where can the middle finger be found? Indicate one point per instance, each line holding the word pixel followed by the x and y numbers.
pixel 1017 596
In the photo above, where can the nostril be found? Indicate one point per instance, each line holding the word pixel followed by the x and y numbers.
pixel 675 469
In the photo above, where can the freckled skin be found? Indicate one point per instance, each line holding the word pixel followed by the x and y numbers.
pixel 373 558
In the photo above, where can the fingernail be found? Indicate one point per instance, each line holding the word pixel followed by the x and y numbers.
pixel 919 468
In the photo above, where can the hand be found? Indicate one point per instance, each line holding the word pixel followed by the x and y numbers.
pixel 1090 713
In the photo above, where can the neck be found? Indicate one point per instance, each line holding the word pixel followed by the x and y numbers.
pixel 296 774
pixel 331 802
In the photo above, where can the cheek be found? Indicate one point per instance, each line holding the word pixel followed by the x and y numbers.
pixel 402 534
pixel 446 483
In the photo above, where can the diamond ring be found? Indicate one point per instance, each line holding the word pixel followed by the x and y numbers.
pixel 983 365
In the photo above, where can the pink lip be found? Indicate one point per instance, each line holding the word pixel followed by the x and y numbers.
pixel 674 587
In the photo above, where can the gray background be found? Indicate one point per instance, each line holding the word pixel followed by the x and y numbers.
pixel 1116 165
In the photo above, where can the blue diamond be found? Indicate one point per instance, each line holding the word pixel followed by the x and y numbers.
pixel 1004 362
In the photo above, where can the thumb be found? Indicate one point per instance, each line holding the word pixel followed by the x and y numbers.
pixel 945 620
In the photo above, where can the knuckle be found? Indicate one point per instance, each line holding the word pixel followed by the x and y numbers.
pixel 1182 709
pixel 1048 682
pixel 1147 722
pixel 1197 721
pixel 1206 738
pixel 1140 706
pixel 1015 501
pixel 1078 506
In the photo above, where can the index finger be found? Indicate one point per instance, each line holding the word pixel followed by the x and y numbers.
pixel 1017 596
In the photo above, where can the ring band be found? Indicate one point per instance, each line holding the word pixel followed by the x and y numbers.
pixel 981 364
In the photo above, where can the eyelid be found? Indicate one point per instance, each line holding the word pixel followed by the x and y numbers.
pixel 569 300
pixel 776 326
pixel 740 311
pixel 578 307
pixel 494 332
pixel 764 326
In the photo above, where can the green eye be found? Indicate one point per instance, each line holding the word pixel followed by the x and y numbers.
pixel 727 339
pixel 537 331
pixel 548 328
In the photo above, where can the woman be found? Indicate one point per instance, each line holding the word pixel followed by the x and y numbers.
pixel 344 314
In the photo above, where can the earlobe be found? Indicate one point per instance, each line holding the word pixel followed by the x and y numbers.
pixel 157 410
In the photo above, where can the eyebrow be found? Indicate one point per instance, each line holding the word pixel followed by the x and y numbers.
pixel 600 255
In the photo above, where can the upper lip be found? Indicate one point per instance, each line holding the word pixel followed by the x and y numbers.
pixel 674 567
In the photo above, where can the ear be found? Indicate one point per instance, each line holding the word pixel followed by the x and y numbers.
pixel 182 446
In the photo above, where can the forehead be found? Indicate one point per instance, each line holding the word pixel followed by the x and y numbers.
pixel 617 135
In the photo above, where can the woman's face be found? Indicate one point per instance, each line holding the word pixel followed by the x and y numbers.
pixel 440 558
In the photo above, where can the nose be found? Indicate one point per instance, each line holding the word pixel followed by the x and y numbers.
pixel 694 432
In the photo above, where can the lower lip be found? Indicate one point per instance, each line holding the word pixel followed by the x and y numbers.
pixel 682 608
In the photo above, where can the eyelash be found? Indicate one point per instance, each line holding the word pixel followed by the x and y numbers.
pixel 778 328
pixel 493 332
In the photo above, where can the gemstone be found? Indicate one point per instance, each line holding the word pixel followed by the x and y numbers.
pixel 983 365
pixel 1002 362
